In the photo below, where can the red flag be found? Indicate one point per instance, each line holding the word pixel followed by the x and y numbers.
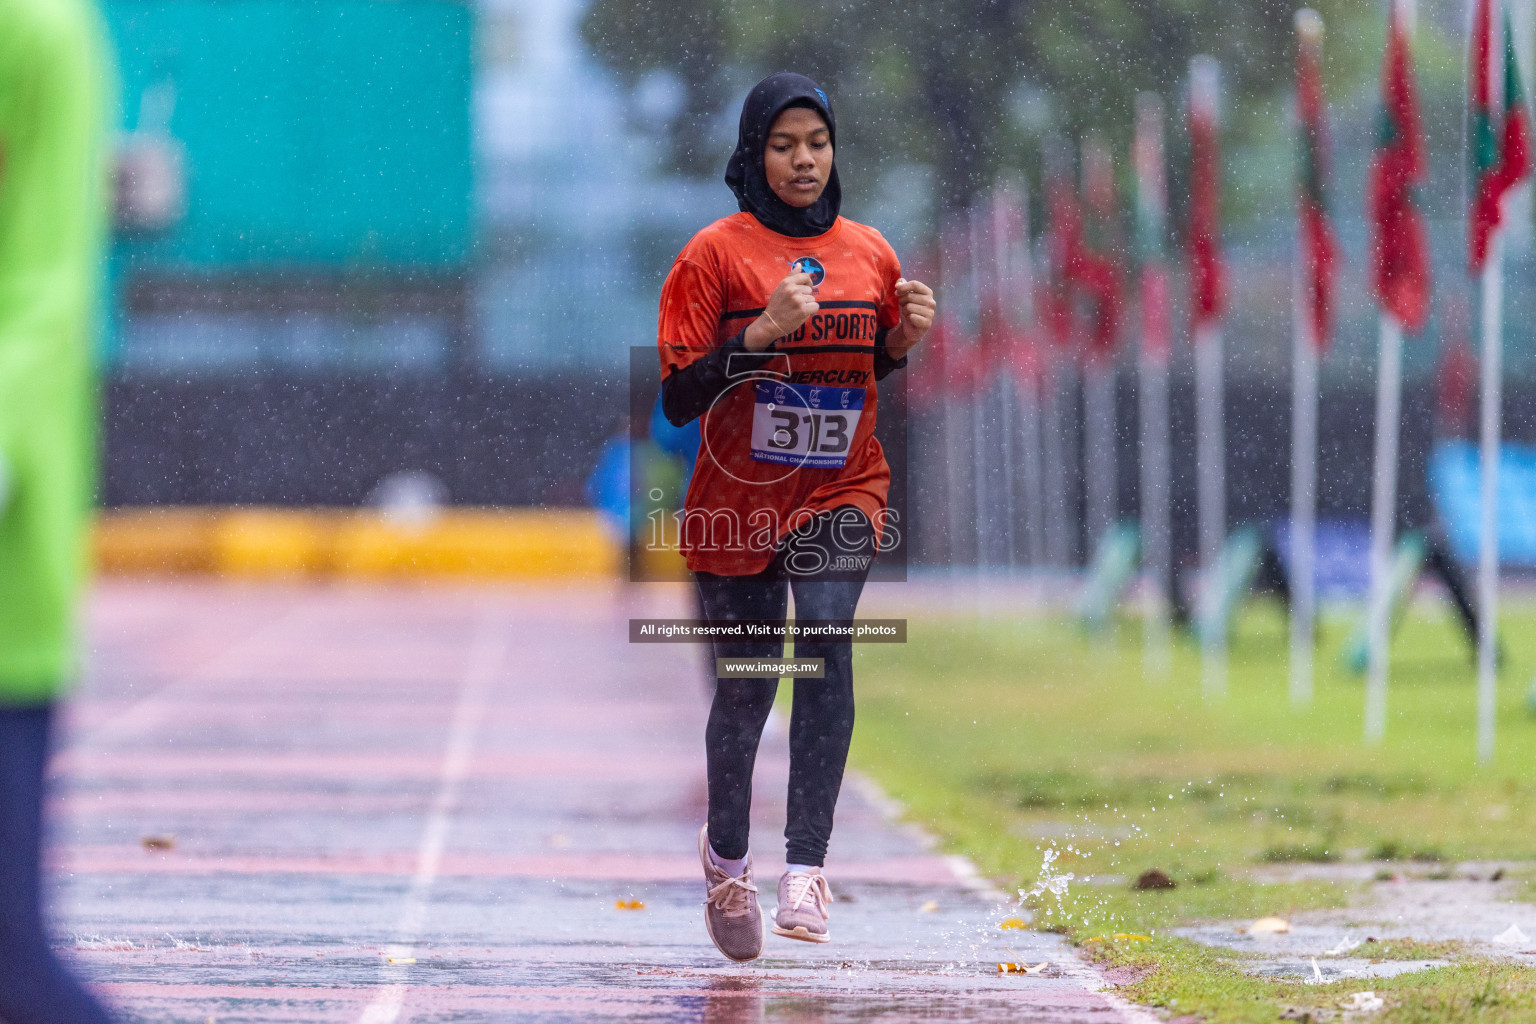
pixel 1207 274
pixel 1063 239
pixel 1456 376
pixel 1515 162
pixel 962 361
pixel 1012 285
pixel 1498 141
pixel 1156 316
pixel 1096 269
pixel 1319 244
pixel 1010 253
pixel 1151 211
pixel 1399 246
pixel 1482 138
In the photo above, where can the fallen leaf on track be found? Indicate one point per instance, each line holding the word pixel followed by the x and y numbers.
pixel 1269 926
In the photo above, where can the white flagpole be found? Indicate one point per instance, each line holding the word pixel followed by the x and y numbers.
pixel 1101 483
pixel 1072 459
pixel 1099 447
pixel 982 520
pixel 1006 398
pixel 1058 396
pixel 953 447
pixel 1157 551
pixel 1210 453
pixel 1003 282
pixel 1156 546
pixel 1490 416
pixel 1389 395
pixel 1034 473
pixel 1304 396
pixel 1389 386
pixel 1023 284
pixel 1210 444
pixel 1488 533
pixel 1304 401
pixel 1210 439
pixel 1058 545
pixel 953 454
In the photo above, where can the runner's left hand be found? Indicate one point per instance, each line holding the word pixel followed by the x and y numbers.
pixel 918 309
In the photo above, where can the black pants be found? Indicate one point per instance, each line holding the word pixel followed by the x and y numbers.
pixel 34 987
pixel 825 564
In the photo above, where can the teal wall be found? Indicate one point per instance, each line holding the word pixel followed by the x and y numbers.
pixel 320 134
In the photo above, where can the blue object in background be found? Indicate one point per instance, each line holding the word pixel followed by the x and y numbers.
pixel 608 484
pixel 1455 487
pixel 682 442
pixel 1342 553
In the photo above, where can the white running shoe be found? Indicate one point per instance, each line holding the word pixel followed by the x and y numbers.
pixel 731 914
pixel 802 910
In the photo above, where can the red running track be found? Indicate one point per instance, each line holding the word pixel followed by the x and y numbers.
pixel 418 804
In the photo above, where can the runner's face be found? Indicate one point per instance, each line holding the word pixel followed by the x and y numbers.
pixel 798 158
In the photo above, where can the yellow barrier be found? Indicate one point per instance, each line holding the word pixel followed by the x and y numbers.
pixel 459 543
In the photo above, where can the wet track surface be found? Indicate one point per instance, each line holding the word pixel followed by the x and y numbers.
pixel 426 804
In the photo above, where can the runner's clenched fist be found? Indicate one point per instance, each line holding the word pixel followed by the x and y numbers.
pixel 918 308
pixel 790 306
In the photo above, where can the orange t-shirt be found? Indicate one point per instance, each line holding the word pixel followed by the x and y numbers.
pixel 773 456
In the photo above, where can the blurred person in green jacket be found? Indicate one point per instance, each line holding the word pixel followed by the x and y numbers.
pixel 53 173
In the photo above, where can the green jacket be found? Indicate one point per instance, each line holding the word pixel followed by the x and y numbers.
pixel 53 114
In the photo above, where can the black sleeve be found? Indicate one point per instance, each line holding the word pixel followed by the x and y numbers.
pixel 688 392
pixel 884 364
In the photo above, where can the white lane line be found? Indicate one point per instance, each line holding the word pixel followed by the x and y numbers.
pixel 484 662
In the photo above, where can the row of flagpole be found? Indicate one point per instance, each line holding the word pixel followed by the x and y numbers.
pixel 1498 139
pixel 1076 264
pixel 1499 143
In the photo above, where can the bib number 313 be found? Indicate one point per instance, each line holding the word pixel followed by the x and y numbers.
pixel 799 425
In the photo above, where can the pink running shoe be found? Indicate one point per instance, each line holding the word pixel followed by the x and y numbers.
pixel 802 911
pixel 731 914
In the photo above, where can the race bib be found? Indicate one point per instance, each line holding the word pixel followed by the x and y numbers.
pixel 802 425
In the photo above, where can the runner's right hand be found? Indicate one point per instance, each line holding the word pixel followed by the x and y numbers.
pixel 790 306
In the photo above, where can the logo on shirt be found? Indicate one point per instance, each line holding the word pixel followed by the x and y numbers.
pixel 809 265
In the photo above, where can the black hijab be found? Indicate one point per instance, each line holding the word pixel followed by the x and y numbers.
pixel 745 175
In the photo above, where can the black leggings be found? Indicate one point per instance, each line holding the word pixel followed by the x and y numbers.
pixel 34 987
pixel 821 723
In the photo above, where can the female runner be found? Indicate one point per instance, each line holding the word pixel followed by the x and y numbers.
pixel 775 324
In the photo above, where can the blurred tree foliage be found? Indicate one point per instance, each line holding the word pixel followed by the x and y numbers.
pixel 970 87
